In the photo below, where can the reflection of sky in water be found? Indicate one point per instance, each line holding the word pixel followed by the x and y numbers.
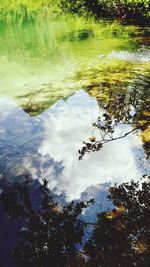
pixel 47 146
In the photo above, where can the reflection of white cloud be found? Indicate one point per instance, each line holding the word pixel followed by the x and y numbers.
pixel 47 146
pixel 65 126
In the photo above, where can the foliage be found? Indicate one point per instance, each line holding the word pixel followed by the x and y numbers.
pixel 50 234
pixel 29 4
pixel 118 110
pixel 128 10
pixel 121 236
pixel 124 10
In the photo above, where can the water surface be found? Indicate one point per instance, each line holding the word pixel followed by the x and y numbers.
pixel 55 75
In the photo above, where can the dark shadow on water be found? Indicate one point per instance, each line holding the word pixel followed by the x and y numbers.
pixel 51 232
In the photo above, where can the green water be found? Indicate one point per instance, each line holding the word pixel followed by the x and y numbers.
pixel 83 67
pixel 41 54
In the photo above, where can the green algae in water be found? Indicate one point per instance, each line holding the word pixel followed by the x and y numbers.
pixel 41 53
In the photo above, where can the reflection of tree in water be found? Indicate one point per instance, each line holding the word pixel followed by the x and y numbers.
pixel 50 232
pixel 52 235
pixel 121 237
pixel 129 106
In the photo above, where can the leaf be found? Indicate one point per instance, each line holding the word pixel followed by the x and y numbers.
pixel 92 138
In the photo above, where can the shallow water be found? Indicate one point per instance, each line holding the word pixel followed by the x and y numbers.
pixel 45 65
pixel 39 55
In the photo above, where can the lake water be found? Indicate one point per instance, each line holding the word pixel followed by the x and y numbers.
pixel 56 74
